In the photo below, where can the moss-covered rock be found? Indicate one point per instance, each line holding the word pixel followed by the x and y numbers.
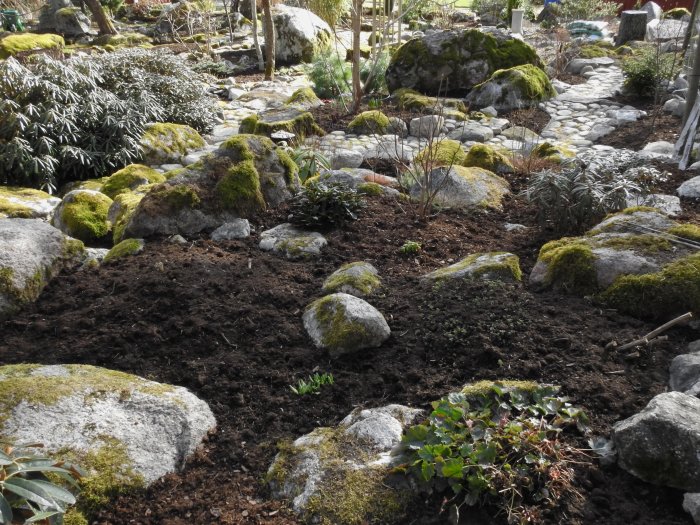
pixel 130 178
pixel 25 203
pixel 120 212
pixel 124 431
pixel 643 274
pixel 292 242
pixel 304 98
pixel 164 143
pixel 676 13
pixel 32 252
pixel 493 266
pixel 462 187
pixel 359 279
pixel 83 214
pixel 342 323
pixel 290 119
pixel 445 152
pixel 343 475
pixel 553 153
pixel 244 176
pixel 122 39
pixel 488 158
pixel 23 42
pixel 124 249
pixel 369 123
pixel 518 87
pixel 412 100
pixel 455 61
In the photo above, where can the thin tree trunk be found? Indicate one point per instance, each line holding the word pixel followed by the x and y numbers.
pixel 103 22
pixel 691 26
pixel 256 41
pixel 356 84
pixel 269 41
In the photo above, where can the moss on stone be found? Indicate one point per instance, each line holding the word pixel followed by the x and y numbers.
pixel 123 249
pixel 302 124
pixel 129 178
pixel 446 152
pixel 127 203
pixel 239 190
pixel 486 157
pixel 641 243
pixel 86 216
pixel 371 189
pixel 176 198
pixel 365 283
pixel 677 13
pixel 548 151
pixel 291 170
pixel 176 140
pixel 635 209
pixel 74 517
pixel 9 207
pixel 304 96
pixel 21 42
pixel 570 266
pixel 485 387
pixel 530 81
pixel 413 100
pixel 122 39
pixel 495 185
pixel 673 290
pixel 507 269
pixel 687 231
pixel 369 122
pixel 339 332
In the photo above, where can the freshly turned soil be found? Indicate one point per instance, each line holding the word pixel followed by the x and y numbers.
pixel 224 320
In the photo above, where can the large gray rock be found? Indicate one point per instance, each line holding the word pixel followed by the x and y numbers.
pixel 343 324
pixel 427 126
pixel 301 35
pixel 577 64
pixel 322 479
pixel 169 143
pixel 78 410
pixel 660 444
pixel 71 22
pixel 449 61
pixel 471 130
pixel 691 504
pixel 460 187
pixel 665 30
pixel 292 242
pixel 653 10
pixel 685 374
pixel 244 176
pixel 236 229
pixel 359 178
pixel 690 189
pixel 32 252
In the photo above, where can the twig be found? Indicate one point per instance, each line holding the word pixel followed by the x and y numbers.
pixel 651 335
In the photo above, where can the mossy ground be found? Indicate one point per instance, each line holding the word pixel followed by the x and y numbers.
pixel 86 216
pixel 413 100
pixel 554 153
pixel 17 43
pixel 123 249
pixel 129 178
pixel 369 122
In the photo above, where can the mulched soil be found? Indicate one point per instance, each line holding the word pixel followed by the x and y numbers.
pixel 224 320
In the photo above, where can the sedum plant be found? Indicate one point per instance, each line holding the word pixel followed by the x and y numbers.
pixel 28 486
pixel 497 445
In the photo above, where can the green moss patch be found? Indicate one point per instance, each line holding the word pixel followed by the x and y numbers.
pixel 129 178
pixel 127 203
pixel 570 266
pixel 486 157
pixel 357 276
pixel 86 216
pixel 531 83
pixel 554 153
pixel 239 190
pixel 22 42
pixel 412 100
pixel 445 152
pixel 304 97
pixel 339 332
pixel 123 249
pixel 13 201
pixel 289 119
pixel 481 388
pixel 369 122
pixel 506 269
pixel 673 290
pixel 677 13
pixel 170 141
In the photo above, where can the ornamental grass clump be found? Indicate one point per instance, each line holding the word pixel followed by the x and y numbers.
pixel 498 445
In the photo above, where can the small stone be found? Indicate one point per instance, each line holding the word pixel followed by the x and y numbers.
pixel 292 242
pixel 236 229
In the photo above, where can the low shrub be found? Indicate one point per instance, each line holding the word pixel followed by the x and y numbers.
pixel 320 204
pixel 646 70
pixel 497 445
pixel 330 75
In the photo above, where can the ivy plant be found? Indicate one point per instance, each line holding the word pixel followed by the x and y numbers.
pixel 500 447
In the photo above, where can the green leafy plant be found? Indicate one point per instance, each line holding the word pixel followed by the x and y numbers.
pixel 312 385
pixel 330 75
pixel 410 248
pixel 373 73
pixel 26 489
pixel 497 445
pixel 580 194
pixel 321 204
pixel 646 70
pixel 310 161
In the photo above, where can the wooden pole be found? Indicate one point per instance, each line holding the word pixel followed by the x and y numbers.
pixel 691 26
pixel 692 84
pixel 269 40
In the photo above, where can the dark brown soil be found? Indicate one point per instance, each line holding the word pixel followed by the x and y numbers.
pixel 225 321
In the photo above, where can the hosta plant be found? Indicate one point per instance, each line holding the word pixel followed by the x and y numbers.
pixel 30 489
pixel 497 446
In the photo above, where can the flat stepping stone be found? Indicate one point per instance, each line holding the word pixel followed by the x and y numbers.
pixel 292 242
